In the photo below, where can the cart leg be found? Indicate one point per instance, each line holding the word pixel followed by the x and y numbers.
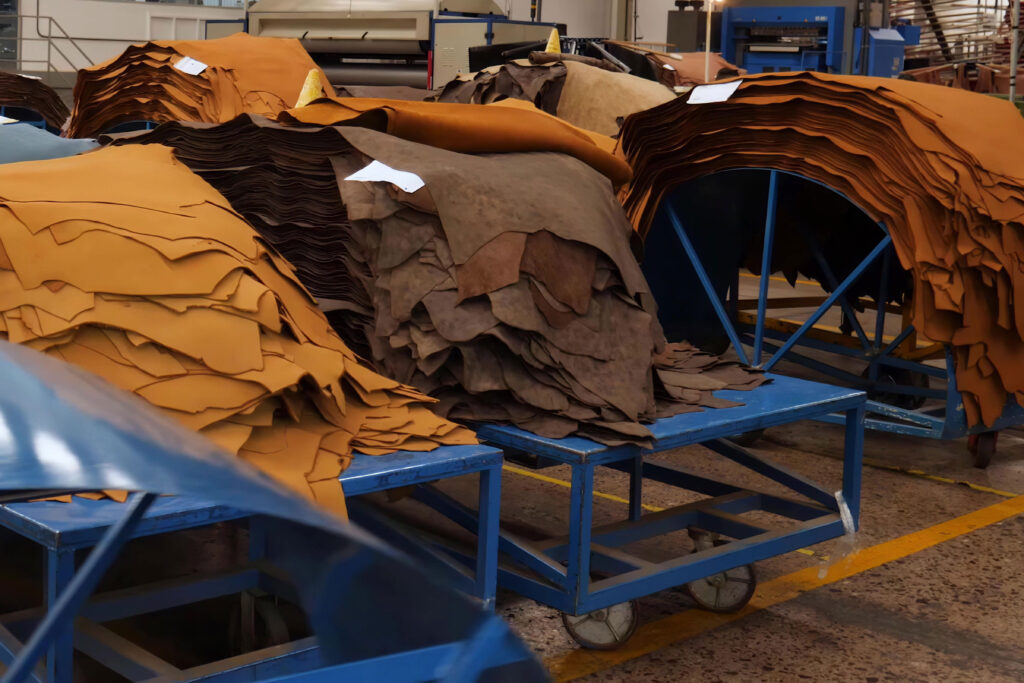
pixel 60 568
pixel 581 516
pixel 487 537
pixel 257 538
pixel 636 489
pixel 853 460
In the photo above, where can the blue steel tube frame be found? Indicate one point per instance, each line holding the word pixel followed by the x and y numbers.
pixel 949 424
pixel 60 616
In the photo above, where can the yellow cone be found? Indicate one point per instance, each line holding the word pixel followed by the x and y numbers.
pixel 554 44
pixel 311 89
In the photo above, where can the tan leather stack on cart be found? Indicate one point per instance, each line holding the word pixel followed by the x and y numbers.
pixel 28 92
pixel 524 305
pixel 191 80
pixel 941 168
pixel 124 262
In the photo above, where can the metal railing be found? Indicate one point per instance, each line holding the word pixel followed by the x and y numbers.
pixel 53 33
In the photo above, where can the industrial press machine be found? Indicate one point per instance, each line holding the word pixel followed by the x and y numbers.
pixel 827 36
pixel 416 43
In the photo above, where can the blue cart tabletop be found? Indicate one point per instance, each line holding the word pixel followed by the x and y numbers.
pixel 783 400
pixel 81 522
pixel 369 473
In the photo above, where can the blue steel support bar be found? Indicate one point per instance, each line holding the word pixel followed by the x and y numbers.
pixel 838 292
pixel 508 543
pixel 766 262
pixel 830 280
pixel 883 294
pixel 487 536
pixel 636 488
pixel 60 569
pixel 792 480
pixel 60 614
pixel 900 338
pixel 853 460
pixel 698 267
pixel 475 656
pixel 10 646
pixel 581 517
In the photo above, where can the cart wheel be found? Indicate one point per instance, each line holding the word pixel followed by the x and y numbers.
pixel 264 627
pixel 724 592
pixel 982 447
pixel 603 629
pixel 747 439
pixel 899 376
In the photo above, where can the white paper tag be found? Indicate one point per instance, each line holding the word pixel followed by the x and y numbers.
pixel 378 172
pixel 4 119
pixel 193 67
pixel 34 78
pixel 713 92
pixel 668 66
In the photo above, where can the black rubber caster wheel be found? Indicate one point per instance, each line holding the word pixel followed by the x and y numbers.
pixel 604 629
pixel 725 592
pixel 887 375
pixel 982 447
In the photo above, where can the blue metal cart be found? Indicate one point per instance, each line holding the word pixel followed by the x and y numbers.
pixel 897 369
pixel 63 529
pixel 589 577
pixel 374 616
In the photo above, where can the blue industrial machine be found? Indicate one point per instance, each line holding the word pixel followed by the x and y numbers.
pixel 761 39
pixel 810 38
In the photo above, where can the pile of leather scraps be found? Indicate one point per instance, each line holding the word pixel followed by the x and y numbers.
pixel 949 188
pixel 388 92
pixel 282 180
pixel 682 69
pixel 519 79
pixel 599 100
pixel 191 80
pixel 985 78
pixel 533 313
pixel 29 92
pixel 527 312
pixel 466 128
pixel 25 142
pixel 124 262
pixel 586 96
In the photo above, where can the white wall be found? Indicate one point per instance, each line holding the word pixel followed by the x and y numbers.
pixel 583 18
pixel 652 20
pixel 593 18
pixel 103 29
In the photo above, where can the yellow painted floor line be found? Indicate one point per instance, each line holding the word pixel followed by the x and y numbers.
pixel 597 494
pixel 920 474
pixel 776 278
pixel 568 485
pixel 659 634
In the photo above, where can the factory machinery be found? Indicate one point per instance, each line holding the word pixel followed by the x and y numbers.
pixel 827 35
pixel 417 43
